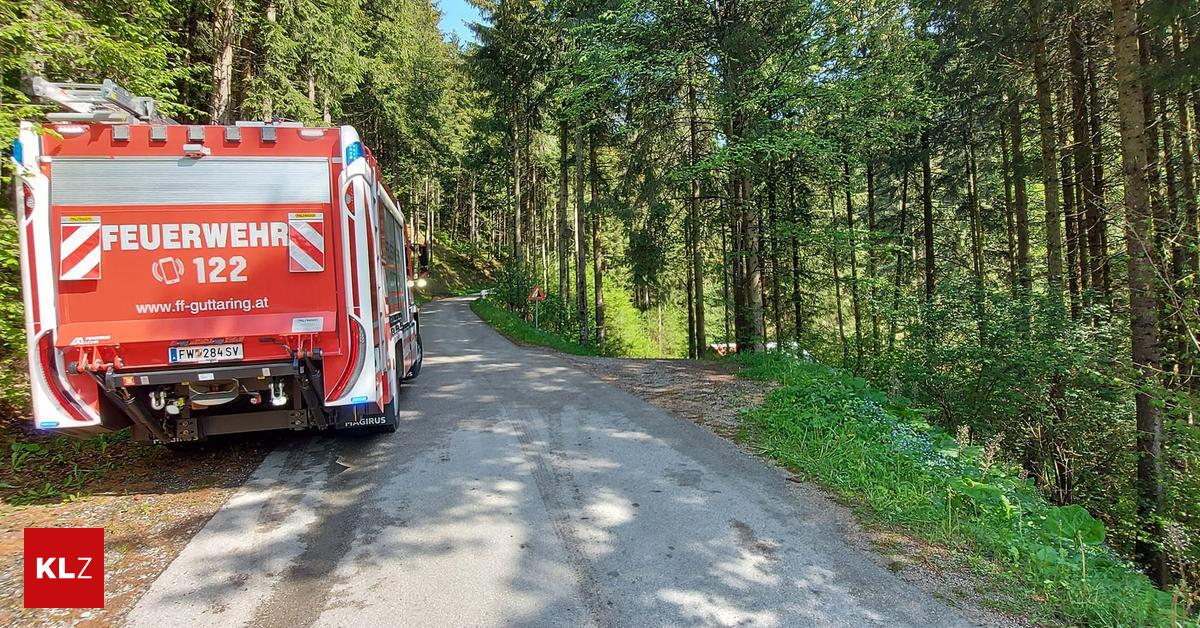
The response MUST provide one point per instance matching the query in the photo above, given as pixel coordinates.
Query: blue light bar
(18, 152)
(48, 424)
(353, 152)
(358, 399)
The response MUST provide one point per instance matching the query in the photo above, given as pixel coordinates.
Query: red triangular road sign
(536, 294)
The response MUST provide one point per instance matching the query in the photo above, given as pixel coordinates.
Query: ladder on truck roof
(91, 102)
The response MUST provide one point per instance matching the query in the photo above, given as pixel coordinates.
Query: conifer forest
(985, 209)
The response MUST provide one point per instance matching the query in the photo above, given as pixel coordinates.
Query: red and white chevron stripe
(79, 248)
(306, 243)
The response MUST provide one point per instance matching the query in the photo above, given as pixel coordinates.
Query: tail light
(354, 363)
(56, 382)
(27, 199)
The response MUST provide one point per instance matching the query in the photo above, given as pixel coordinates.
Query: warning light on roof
(353, 152)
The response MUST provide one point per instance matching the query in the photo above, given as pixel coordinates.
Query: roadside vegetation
(898, 470)
(521, 331)
(629, 332)
(460, 268)
(47, 469)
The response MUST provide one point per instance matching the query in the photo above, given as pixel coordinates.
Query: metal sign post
(537, 296)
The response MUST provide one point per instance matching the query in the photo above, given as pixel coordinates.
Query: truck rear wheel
(416, 367)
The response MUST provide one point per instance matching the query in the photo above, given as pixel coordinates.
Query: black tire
(416, 367)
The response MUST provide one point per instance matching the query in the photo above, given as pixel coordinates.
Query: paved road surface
(519, 491)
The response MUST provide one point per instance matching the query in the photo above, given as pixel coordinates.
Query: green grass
(900, 472)
(460, 268)
(53, 469)
(520, 331)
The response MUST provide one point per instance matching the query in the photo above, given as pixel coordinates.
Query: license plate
(205, 353)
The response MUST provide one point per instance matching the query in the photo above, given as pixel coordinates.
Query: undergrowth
(901, 471)
(57, 468)
(520, 331)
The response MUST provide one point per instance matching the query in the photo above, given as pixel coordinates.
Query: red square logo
(64, 567)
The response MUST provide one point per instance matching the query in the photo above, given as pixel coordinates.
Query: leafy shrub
(836, 429)
(14, 390)
(1043, 384)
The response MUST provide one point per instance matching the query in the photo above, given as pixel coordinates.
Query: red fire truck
(200, 280)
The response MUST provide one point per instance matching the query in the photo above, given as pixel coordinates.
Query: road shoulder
(711, 395)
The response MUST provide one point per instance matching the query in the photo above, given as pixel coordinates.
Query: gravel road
(522, 491)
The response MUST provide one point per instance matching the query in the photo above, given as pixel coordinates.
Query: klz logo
(64, 568)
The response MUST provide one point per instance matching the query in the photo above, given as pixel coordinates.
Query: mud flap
(352, 418)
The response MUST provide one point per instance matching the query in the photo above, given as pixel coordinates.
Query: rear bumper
(200, 373)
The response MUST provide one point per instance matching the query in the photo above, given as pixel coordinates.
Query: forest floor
(150, 500)
(710, 393)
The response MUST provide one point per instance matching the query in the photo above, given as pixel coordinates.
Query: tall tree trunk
(854, 302)
(794, 215)
(871, 262)
(1049, 153)
(763, 258)
(927, 206)
(737, 244)
(581, 242)
(1168, 242)
(1143, 314)
(1075, 279)
(517, 245)
(597, 250)
(1020, 196)
(1191, 262)
(1170, 227)
(474, 212)
(1097, 224)
(530, 191)
(1089, 206)
(975, 211)
(1186, 166)
(773, 240)
(976, 238)
(753, 278)
(1160, 249)
(1009, 222)
(694, 209)
(219, 104)
(726, 269)
(693, 350)
(837, 284)
(564, 229)
(903, 237)
(748, 283)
